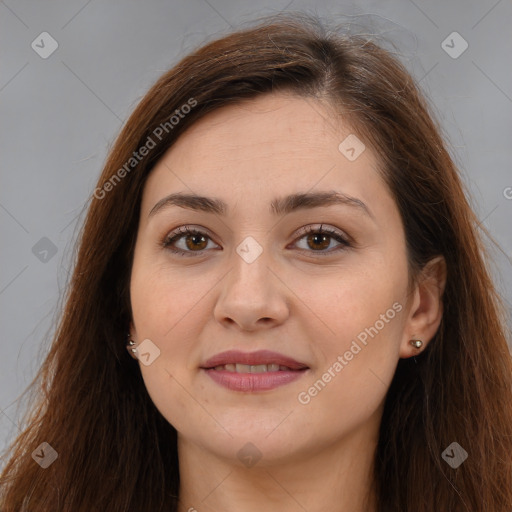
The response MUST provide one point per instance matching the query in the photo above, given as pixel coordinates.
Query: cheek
(163, 301)
(353, 300)
(358, 362)
(167, 393)
(163, 311)
(361, 321)
(346, 402)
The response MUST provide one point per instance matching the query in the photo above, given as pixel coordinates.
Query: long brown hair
(116, 451)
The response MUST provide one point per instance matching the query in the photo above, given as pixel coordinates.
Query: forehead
(267, 146)
(265, 126)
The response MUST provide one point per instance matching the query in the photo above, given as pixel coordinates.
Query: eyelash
(187, 230)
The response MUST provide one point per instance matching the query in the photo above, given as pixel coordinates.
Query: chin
(268, 440)
(255, 450)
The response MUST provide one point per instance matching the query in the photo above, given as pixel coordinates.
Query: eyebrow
(279, 206)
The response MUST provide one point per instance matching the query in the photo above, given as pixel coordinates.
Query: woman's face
(254, 279)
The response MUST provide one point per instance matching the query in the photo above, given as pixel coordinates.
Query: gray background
(60, 114)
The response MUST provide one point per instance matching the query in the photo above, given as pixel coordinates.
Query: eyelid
(322, 228)
(181, 232)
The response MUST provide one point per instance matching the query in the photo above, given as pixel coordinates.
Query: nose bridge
(251, 291)
(250, 279)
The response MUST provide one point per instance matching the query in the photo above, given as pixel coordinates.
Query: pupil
(322, 238)
(195, 240)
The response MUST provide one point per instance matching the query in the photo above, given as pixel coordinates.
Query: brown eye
(195, 241)
(319, 239)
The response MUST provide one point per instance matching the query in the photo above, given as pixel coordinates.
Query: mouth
(255, 371)
(255, 368)
(252, 362)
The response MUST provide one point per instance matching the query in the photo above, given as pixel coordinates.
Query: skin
(316, 456)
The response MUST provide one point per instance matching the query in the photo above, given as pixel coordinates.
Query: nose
(252, 296)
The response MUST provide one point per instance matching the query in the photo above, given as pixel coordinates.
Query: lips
(252, 362)
(253, 372)
(255, 368)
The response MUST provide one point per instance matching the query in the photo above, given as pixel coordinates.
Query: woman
(282, 244)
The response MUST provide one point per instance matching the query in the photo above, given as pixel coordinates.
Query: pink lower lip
(253, 381)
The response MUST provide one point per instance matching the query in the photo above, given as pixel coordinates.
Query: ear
(426, 311)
